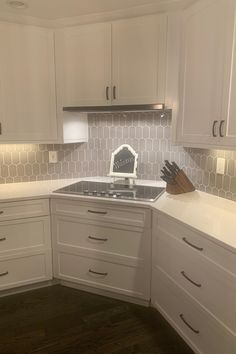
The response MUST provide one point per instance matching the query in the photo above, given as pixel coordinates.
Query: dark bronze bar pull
(221, 128)
(190, 280)
(107, 93)
(213, 128)
(0, 128)
(2, 239)
(1, 212)
(98, 273)
(3, 274)
(98, 239)
(191, 245)
(114, 92)
(97, 212)
(188, 325)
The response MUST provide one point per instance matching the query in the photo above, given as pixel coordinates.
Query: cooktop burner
(113, 191)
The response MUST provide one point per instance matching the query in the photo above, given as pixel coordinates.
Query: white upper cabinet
(207, 38)
(228, 119)
(83, 60)
(139, 60)
(27, 84)
(119, 63)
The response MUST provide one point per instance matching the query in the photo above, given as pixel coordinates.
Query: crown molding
(161, 7)
(25, 20)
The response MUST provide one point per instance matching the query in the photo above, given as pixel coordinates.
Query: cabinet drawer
(25, 270)
(182, 312)
(73, 232)
(24, 209)
(117, 278)
(213, 287)
(102, 212)
(24, 235)
(197, 242)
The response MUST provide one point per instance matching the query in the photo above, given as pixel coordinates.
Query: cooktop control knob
(103, 192)
(94, 192)
(86, 191)
(118, 195)
(110, 194)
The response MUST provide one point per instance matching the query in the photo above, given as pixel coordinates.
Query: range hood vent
(120, 108)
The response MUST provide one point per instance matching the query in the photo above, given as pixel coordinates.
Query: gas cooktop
(113, 191)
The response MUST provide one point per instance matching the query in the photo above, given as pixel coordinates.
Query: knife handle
(176, 166)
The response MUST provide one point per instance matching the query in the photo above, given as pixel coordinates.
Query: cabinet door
(228, 121)
(83, 60)
(27, 84)
(207, 29)
(139, 60)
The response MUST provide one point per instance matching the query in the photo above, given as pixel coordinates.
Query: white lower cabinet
(192, 321)
(101, 251)
(192, 287)
(25, 243)
(24, 234)
(25, 269)
(120, 278)
(107, 246)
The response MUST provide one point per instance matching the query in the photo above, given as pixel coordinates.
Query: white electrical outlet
(53, 158)
(220, 166)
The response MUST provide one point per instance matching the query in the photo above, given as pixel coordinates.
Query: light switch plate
(53, 157)
(220, 166)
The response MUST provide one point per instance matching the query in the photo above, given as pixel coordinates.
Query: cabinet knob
(188, 325)
(221, 128)
(190, 280)
(192, 245)
(96, 239)
(2, 239)
(107, 93)
(213, 128)
(98, 273)
(114, 92)
(97, 212)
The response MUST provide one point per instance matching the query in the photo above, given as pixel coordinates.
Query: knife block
(182, 184)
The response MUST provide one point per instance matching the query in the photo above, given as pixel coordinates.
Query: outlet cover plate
(220, 166)
(53, 157)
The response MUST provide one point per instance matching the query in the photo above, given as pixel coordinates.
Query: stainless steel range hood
(119, 108)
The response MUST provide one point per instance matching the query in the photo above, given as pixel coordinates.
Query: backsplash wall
(147, 133)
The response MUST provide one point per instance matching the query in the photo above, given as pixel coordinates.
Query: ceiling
(61, 9)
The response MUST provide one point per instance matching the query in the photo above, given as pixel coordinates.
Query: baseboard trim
(105, 293)
(30, 287)
(88, 289)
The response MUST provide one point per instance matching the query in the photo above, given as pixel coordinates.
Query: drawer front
(193, 323)
(24, 209)
(102, 212)
(197, 242)
(25, 270)
(72, 232)
(113, 277)
(209, 284)
(25, 235)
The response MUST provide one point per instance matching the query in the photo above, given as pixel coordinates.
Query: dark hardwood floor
(63, 320)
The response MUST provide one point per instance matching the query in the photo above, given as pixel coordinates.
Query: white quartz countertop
(211, 215)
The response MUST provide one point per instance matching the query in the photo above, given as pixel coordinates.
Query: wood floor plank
(60, 320)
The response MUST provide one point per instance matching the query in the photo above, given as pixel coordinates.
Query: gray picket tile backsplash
(147, 133)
